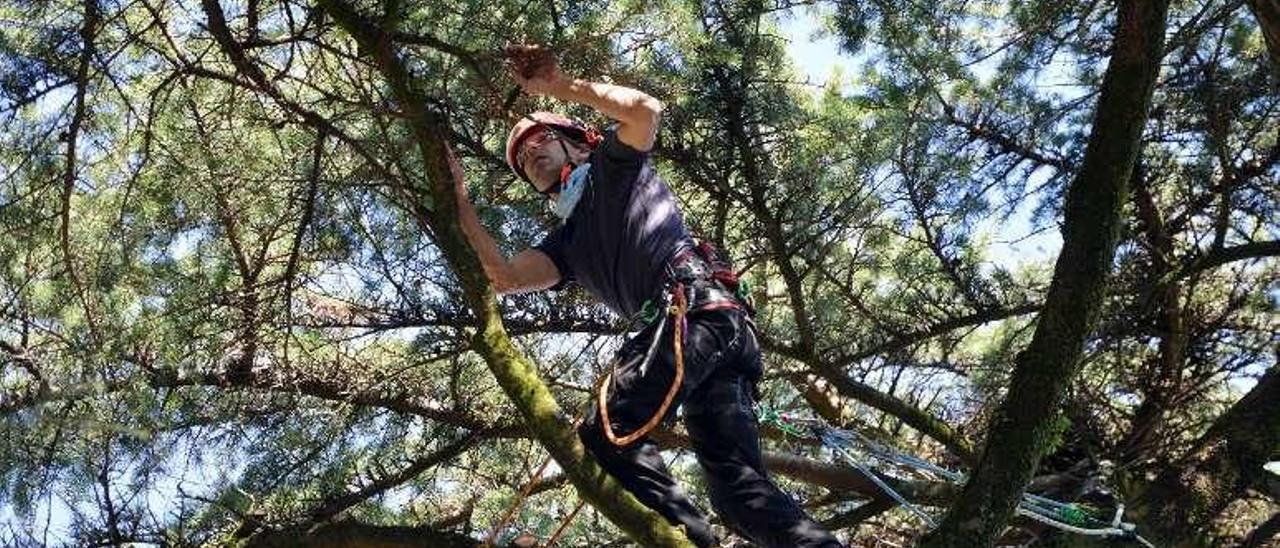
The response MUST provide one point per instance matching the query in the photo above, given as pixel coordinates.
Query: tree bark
(1025, 426)
(1268, 14)
(1225, 462)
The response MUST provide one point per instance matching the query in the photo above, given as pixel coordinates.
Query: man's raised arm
(638, 114)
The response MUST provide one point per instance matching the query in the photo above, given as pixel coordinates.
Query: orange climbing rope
(677, 311)
(564, 524)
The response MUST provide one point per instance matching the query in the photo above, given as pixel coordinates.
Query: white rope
(885, 487)
(1126, 532)
(1037, 508)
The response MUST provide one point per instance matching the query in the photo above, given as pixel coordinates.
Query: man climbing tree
(623, 239)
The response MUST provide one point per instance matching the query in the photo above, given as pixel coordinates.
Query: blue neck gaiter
(571, 191)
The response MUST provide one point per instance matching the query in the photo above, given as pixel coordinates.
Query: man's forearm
(621, 103)
(638, 114)
(491, 258)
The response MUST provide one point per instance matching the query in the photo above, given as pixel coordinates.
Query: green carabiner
(649, 311)
(743, 293)
(1074, 515)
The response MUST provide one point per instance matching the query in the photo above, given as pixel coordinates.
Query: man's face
(541, 158)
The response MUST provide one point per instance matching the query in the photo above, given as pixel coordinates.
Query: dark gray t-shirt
(622, 232)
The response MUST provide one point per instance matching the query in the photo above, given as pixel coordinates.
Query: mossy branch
(515, 373)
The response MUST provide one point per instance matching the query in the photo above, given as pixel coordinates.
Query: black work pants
(722, 364)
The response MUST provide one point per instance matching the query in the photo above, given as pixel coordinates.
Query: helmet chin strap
(565, 170)
(593, 139)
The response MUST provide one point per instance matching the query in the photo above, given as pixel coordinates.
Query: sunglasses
(532, 142)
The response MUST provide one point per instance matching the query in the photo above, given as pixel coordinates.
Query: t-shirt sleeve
(553, 246)
(616, 166)
(618, 152)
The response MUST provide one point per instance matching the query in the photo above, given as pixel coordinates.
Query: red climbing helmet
(563, 125)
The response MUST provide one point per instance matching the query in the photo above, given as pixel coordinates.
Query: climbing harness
(710, 281)
(676, 303)
(1067, 517)
(698, 279)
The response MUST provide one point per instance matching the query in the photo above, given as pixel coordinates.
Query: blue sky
(817, 57)
(814, 50)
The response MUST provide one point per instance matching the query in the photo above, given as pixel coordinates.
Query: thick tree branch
(1226, 461)
(1268, 14)
(907, 413)
(904, 340)
(88, 34)
(863, 512)
(1002, 142)
(1224, 255)
(338, 389)
(848, 387)
(834, 476)
(349, 534)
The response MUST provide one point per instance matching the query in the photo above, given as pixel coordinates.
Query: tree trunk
(1162, 375)
(1268, 14)
(1225, 461)
(1025, 426)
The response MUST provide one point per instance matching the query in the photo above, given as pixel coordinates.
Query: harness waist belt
(705, 286)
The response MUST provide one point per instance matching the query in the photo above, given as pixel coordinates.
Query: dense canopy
(1033, 241)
